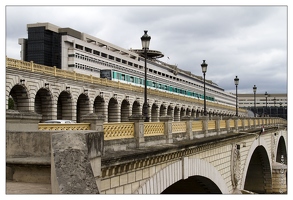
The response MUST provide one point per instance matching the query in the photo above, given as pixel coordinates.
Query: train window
(123, 77)
(131, 79)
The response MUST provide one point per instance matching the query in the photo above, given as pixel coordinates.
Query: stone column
(228, 125)
(96, 121)
(236, 119)
(218, 125)
(204, 124)
(168, 128)
(76, 162)
(138, 129)
(189, 133)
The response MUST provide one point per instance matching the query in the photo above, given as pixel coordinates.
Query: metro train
(126, 78)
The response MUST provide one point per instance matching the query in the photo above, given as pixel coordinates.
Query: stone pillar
(168, 128)
(236, 119)
(279, 178)
(228, 125)
(204, 124)
(189, 133)
(22, 120)
(218, 125)
(76, 162)
(138, 129)
(96, 121)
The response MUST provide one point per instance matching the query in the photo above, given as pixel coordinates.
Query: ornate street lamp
(254, 91)
(266, 95)
(204, 67)
(145, 41)
(236, 81)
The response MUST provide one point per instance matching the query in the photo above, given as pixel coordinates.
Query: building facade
(274, 105)
(72, 50)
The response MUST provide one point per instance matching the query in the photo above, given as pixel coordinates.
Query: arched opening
(64, 105)
(82, 107)
(43, 104)
(154, 113)
(176, 114)
(113, 111)
(258, 178)
(18, 98)
(136, 108)
(193, 185)
(99, 104)
(163, 110)
(281, 151)
(125, 111)
(182, 112)
(170, 112)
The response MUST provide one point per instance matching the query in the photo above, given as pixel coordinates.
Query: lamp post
(236, 81)
(266, 95)
(254, 91)
(204, 67)
(145, 41)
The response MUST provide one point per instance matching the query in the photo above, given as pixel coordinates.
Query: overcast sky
(245, 41)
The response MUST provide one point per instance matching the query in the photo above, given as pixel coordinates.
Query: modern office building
(69, 49)
(274, 105)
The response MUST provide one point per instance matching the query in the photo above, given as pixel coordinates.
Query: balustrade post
(243, 123)
(189, 132)
(205, 126)
(236, 119)
(96, 121)
(138, 129)
(228, 124)
(32, 66)
(218, 124)
(167, 128)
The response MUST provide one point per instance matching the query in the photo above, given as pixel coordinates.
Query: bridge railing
(167, 130)
(53, 71)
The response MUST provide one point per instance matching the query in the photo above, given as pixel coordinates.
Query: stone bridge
(110, 150)
(245, 158)
(58, 94)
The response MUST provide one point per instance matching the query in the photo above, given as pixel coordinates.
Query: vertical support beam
(96, 121)
(168, 128)
(218, 125)
(189, 134)
(205, 126)
(138, 129)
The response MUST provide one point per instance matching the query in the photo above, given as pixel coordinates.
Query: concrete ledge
(29, 161)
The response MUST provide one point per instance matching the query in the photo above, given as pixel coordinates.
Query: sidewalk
(27, 188)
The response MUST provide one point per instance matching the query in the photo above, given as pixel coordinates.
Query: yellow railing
(178, 127)
(118, 130)
(64, 127)
(211, 124)
(222, 123)
(197, 126)
(232, 124)
(154, 128)
(30, 66)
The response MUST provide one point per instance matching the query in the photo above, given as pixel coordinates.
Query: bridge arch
(113, 110)
(44, 103)
(82, 106)
(257, 167)
(19, 96)
(64, 105)
(197, 170)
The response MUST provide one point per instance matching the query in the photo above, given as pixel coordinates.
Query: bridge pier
(279, 178)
